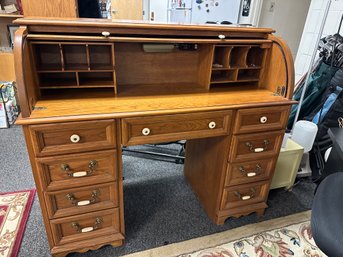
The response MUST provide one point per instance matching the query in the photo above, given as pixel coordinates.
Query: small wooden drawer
(255, 146)
(85, 226)
(175, 127)
(75, 170)
(248, 172)
(244, 195)
(81, 200)
(261, 119)
(73, 137)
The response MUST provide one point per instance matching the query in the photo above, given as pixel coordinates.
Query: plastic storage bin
(287, 165)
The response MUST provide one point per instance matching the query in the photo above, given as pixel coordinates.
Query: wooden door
(129, 10)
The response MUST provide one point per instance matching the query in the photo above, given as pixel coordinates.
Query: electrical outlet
(272, 6)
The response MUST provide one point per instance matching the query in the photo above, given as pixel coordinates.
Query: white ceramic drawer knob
(105, 33)
(212, 125)
(83, 203)
(246, 197)
(263, 119)
(80, 174)
(75, 138)
(146, 131)
(221, 36)
(258, 150)
(87, 229)
(251, 174)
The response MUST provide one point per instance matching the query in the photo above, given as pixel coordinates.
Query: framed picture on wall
(11, 33)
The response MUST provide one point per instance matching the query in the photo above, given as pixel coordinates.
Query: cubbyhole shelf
(96, 79)
(237, 64)
(238, 56)
(48, 57)
(223, 76)
(85, 65)
(57, 80)
(221, 58)
(248, 75)
(75, 57)
(62, 65)
(255, 57)
(101, 57)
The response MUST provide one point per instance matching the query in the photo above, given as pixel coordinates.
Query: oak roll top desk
(88, 87)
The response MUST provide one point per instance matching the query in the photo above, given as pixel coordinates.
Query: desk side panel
(278, 73)
(26, 82)
(205, 166)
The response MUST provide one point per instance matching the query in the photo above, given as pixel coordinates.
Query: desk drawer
(75, 170)
(261, 119)
(255, 146)
(73, 137)
(244, 195)
(175, 127)
(248, 172)
(85, 226)
(81, 200)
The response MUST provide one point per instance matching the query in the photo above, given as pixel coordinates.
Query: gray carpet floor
(160, 207)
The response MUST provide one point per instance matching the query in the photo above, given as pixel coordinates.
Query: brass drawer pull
(246, 197)
(96, 226)
(93, 199)
(253, 173)
(257, 149)
(146, 132)
(92, 165)
(212, 125)
(263, 119)
(75, 138)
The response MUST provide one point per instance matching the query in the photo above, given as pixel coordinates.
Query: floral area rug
(288, 236)
(293, 240)
(14, 212)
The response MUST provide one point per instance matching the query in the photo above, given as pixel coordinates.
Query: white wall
(311, 30)
(288, 19)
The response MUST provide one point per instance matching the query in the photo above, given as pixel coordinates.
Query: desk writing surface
(117, 107)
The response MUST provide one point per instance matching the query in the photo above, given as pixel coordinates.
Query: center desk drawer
(73, 137)
(175, 127)
(81, 200)
(255, 146)
(86, 226)
(75, 170)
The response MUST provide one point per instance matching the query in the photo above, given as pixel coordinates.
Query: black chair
(327, 215)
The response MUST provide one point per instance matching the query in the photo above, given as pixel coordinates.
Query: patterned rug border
(243, 237)
(192, 245)
(24, 219)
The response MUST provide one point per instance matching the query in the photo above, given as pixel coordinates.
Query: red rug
(14, 212)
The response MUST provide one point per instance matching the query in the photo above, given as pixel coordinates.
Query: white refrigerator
(194, 11)
(202, 11)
